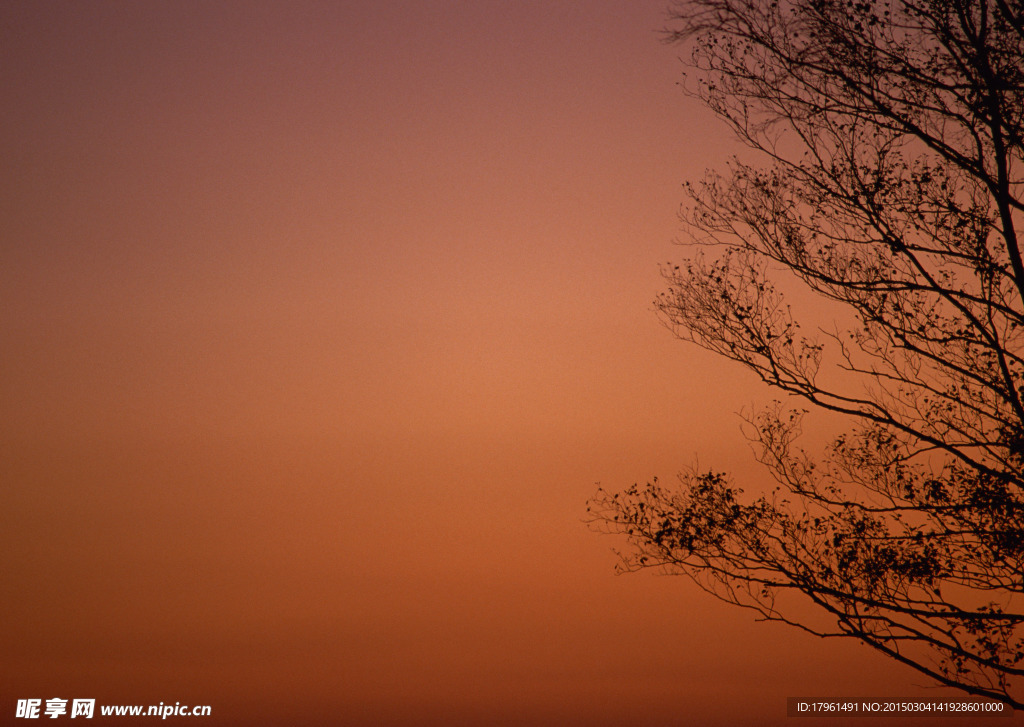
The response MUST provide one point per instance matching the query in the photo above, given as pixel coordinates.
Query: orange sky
(320, 321)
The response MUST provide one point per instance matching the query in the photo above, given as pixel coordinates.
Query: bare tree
(891, 183)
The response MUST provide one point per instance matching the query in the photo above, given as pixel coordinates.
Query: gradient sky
(320, 321)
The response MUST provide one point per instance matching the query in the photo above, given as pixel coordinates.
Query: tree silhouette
(890, 138)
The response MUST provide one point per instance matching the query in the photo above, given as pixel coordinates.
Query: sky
(321, 322)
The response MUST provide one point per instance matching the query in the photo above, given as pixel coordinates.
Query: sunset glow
(321, 322)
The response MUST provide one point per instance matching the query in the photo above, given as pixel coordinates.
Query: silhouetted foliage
(892, 136)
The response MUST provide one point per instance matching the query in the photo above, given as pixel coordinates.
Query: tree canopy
(888, 179)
